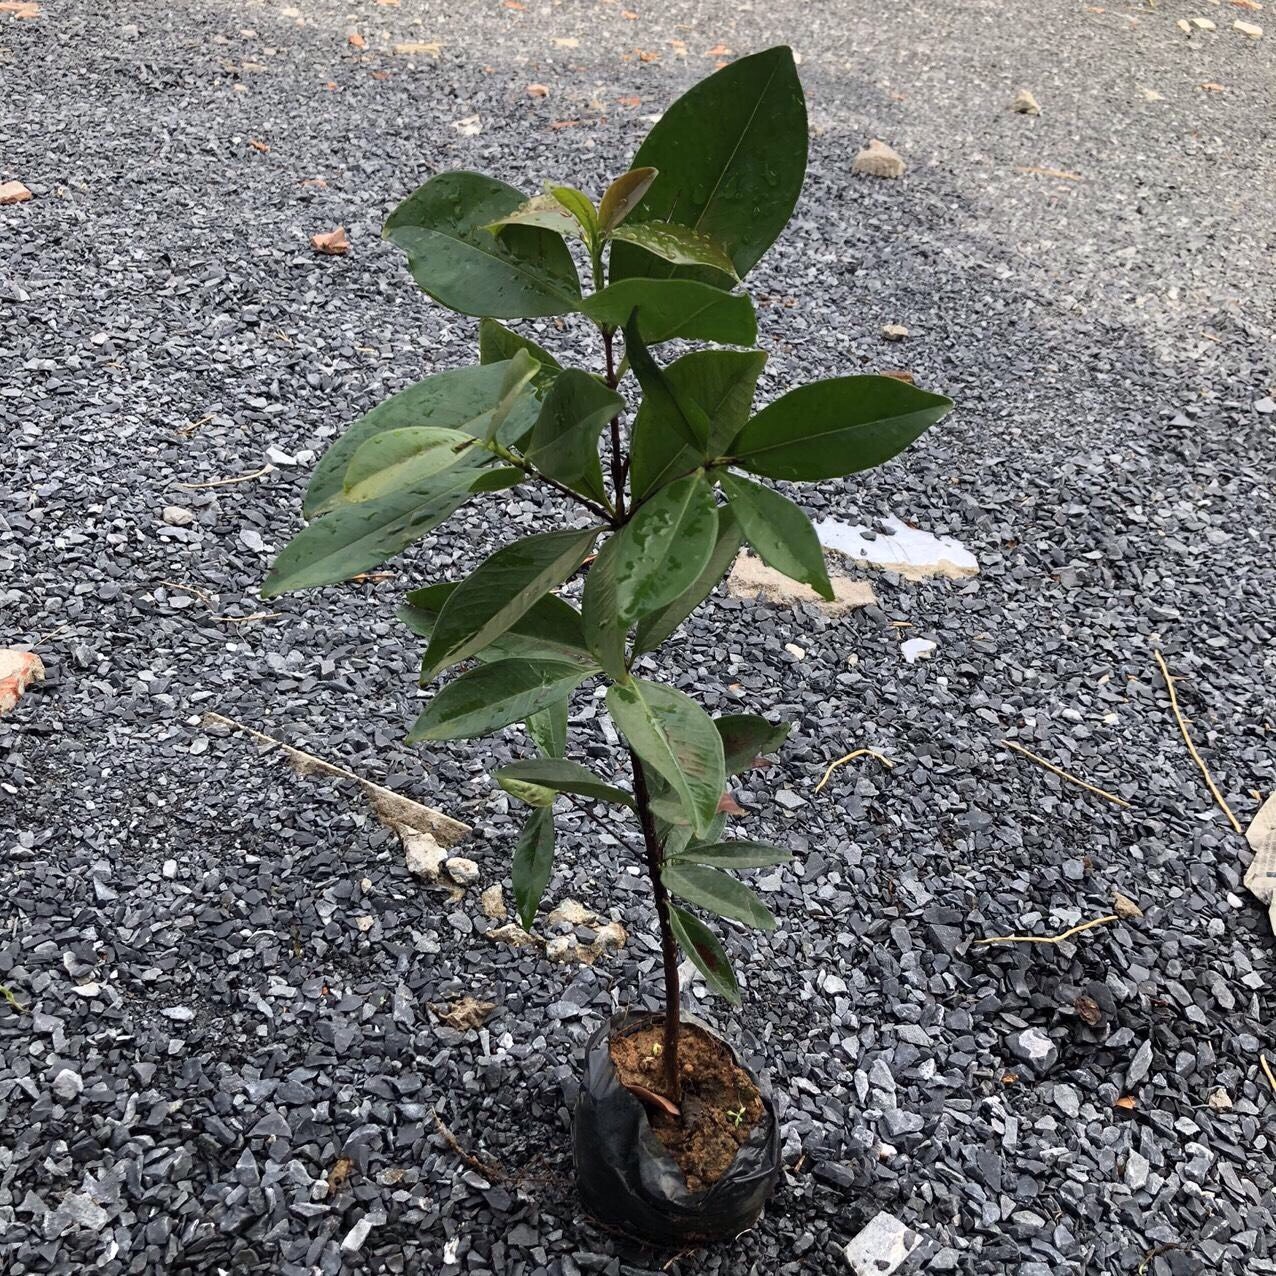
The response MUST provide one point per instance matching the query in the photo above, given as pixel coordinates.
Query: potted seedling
(675, 1138)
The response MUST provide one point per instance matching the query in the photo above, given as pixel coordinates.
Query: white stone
(894, 331)
(68, 1085)
(912, 553)
(1248, 28)
(169, 869)
(916, 649)
(798, 653)
(562, 948)
(492, 902)
(1136, 1170)
(882, 1247)
(1203, 24)
(462, 871)
(424, 856)
(178, 516)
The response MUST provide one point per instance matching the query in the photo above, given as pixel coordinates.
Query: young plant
(661, 509)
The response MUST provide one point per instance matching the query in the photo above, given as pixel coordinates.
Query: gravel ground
(224, 1057)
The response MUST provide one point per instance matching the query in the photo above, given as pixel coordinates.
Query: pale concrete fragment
(1025, 104)
(1260, 880)
(492, 902)
(878, 160)
(18, 670)
(752, 578)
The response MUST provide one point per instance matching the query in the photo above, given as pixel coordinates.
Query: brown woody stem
(668, 946)
(618, 462)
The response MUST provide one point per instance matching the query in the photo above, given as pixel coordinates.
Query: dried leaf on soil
(333, 243)
(464, 1014)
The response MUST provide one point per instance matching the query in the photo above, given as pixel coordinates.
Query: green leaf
(745, 736)
(544, 211)
(533, 865)
(664, 547)
(498, 343)
(523, 271)
(500, 590)
(678, 244)
(600, 613)
(548, 729)
(720, 383)
(398, 459)
(564, 443)
(718, 892)
(731, 154)
(654, 628)
(703, 947)
(677, 739)
(581, 208)
(497, 480)
(519, 373)
(731, 855)
(669, 308)
(356, 538)
(829, 429)
(682, 414)
(556, 775)
(780, 532)
(462, 400)
(622, 197)
(550, 629)
(489, 697)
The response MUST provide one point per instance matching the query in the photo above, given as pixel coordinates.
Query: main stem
(668, 946)
(617, 461)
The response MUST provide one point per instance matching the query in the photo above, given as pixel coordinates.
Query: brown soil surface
(719, 1103)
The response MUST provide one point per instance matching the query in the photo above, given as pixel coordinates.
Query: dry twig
(1191, 748)
(850, 757)
(1050, 939)
(489, 1169)
(1267, 1069)
(226, 482)
(1067, 775)
(223, 617)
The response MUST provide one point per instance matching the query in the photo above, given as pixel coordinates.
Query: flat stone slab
(883, 1247)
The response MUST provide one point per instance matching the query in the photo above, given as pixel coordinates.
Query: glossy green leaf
(706, 951)
(356, 538)
(655, 627)
(462, 400)
(498, 479)
(745, 737)
(492, 696)
(515, 390)
(564, 443)
(622, 197)
(398, 459)
(605, 632)
(500, 590)
(780, 532)
(669, 308)
(533, 865)
(676, 738)
(548, 729)
(557, 775)
(678, 244)
(580, 207)
(735, 855)
(523, 271)
(542, 210)
(549, 629)
(829, 429)
(674, 410)
(731, 154)
(498, 343)
(720, 893)
(665, 546)
(720, 383)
